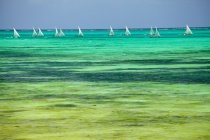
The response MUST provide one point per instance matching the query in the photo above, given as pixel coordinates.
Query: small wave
(163, 29)
(200, 28)
(179, 28)
(176, 28)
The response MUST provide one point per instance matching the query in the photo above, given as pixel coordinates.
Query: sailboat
(127, 32)
(16, 35)
(61, 34)
(188, 31)
(56, 32)
(111, 31)
(34, 33)
(157, 34)
(151, 31)
(80, 32)
(40, 33)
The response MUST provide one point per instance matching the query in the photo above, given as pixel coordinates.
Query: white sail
(188, 31)
(61, 34)
(40, 33)
(80, 32)
(56, 32)
(151, 31)
(16, 35)
(127, 32)
(111, 31)
(157, 34)
(34, 33)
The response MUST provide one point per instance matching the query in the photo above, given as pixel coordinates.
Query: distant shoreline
(73, 29)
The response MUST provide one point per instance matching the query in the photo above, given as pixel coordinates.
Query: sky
(100, 14)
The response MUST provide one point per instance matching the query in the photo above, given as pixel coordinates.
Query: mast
(111, 31)
(61, 33)
(16, 35)
(80, 32)
(127, 32)
(188, 31)
(40, 33)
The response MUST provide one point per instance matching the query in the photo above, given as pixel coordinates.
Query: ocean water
(105, 87)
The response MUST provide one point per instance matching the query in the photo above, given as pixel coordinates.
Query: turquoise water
(108, 87)
(178, 58)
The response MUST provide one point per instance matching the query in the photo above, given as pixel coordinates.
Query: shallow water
(102, 87)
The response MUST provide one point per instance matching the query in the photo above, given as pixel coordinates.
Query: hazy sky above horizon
(98, 14)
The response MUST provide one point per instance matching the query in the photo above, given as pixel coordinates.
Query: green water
(102, 87)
